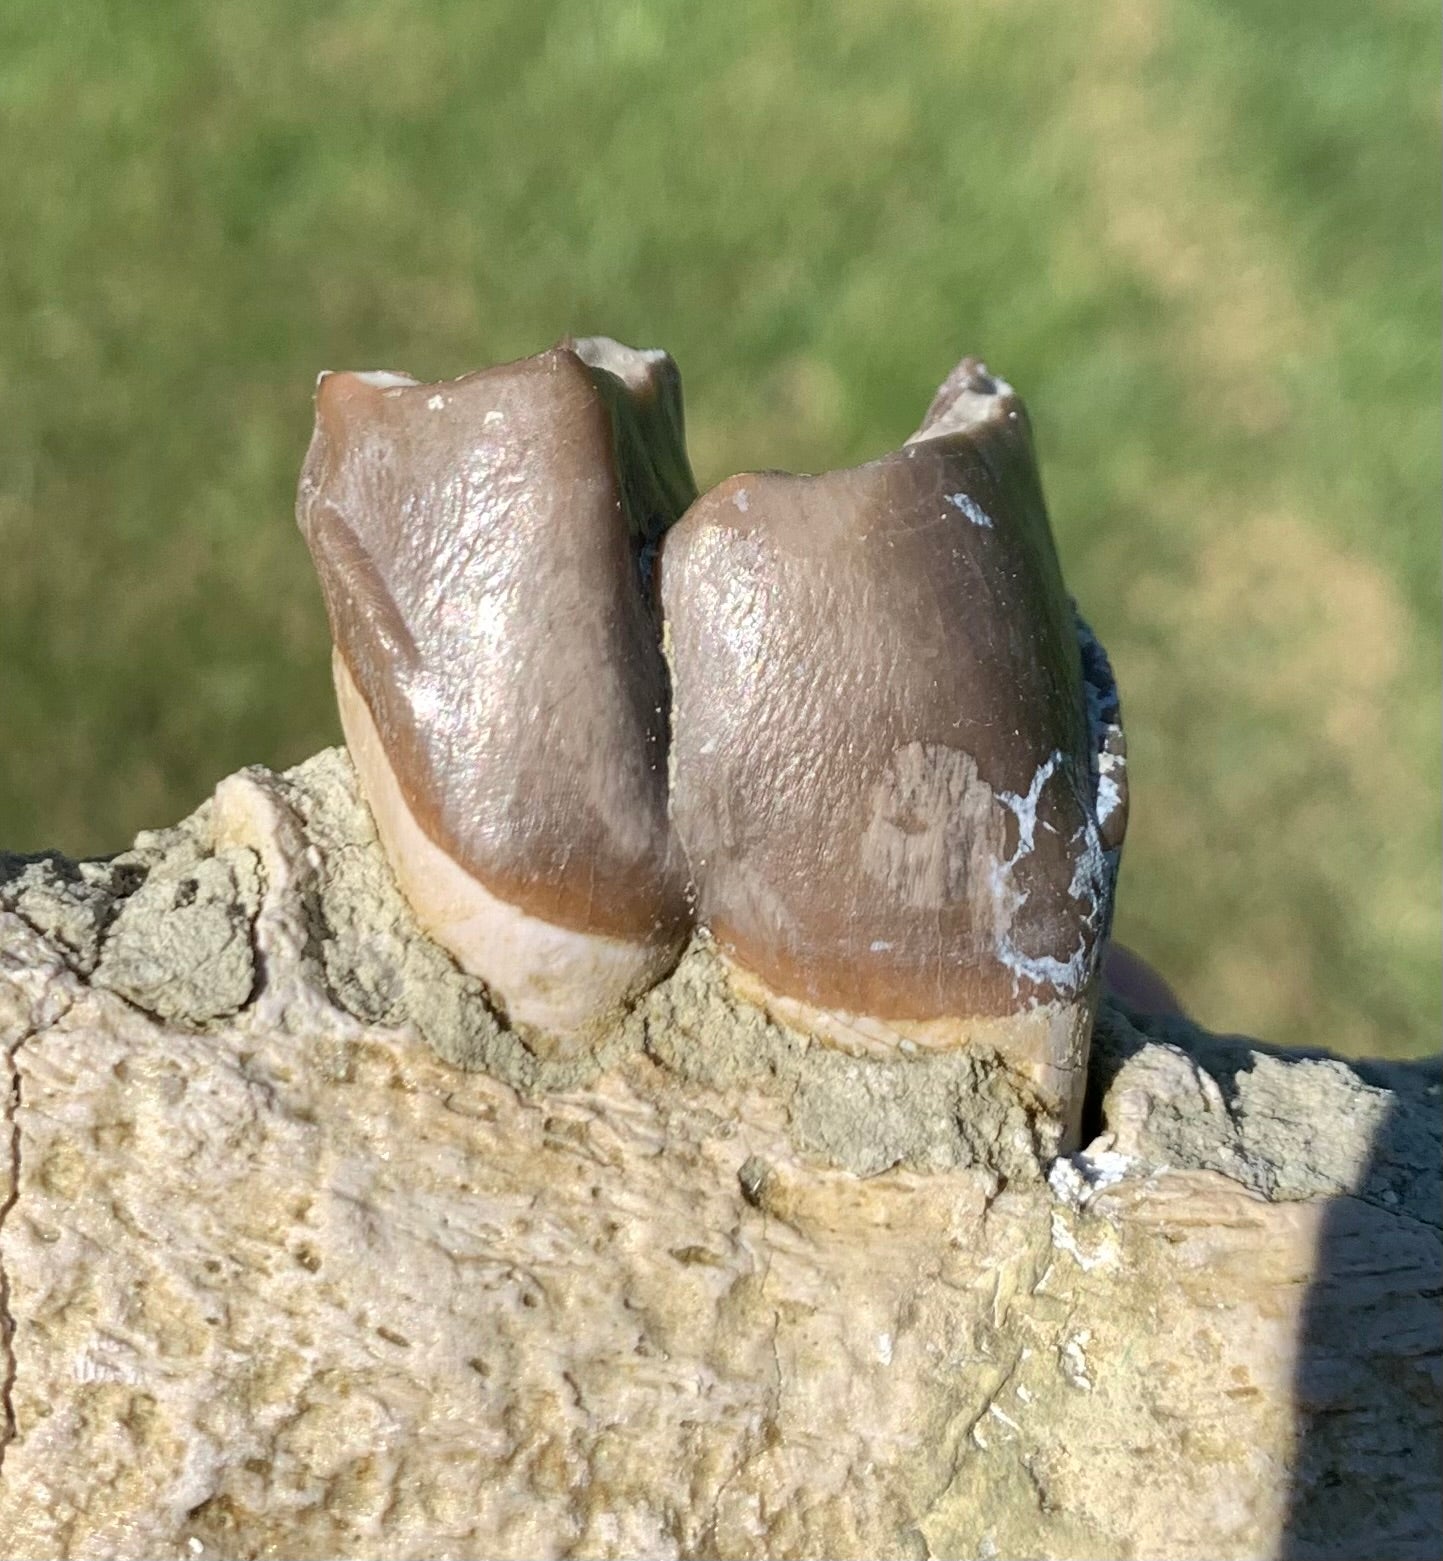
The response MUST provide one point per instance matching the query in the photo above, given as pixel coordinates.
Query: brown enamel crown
(480, 546)
(883, 768)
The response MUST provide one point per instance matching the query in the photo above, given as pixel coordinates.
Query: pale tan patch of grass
(1275, 778)
(1165, 208)
(1269, 665)
(1272, 980)
(1326, 636)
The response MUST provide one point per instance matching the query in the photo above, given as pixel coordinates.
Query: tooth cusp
(497, 662)
(897, 767)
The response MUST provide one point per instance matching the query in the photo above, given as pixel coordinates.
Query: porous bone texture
(279, 1281)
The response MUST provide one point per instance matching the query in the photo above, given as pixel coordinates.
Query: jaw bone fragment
(897, 766)
(484, 547)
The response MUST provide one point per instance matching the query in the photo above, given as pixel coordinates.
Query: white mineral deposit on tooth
(904, 819)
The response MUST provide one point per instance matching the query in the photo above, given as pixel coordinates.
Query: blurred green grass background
(1200, 236)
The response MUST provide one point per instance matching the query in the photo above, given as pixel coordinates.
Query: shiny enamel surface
(481, 544)
(884, 767)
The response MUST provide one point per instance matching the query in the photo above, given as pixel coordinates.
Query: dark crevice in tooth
(1103, 703)
(642, 389)
(1107, 749)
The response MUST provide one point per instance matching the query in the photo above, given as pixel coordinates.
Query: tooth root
(480, 546)
(884, 773)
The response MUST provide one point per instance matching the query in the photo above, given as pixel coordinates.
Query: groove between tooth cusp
(849, 725)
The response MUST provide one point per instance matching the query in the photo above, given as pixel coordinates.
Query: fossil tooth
(484, 549)
(897, 764)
